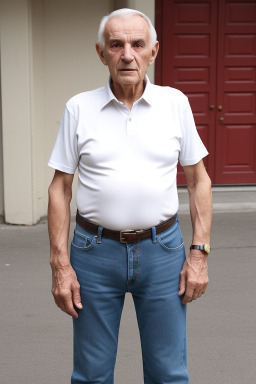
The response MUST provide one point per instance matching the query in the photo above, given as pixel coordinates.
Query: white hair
(124, 12)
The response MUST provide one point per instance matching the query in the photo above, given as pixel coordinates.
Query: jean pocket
(171, 239)
(82, 241)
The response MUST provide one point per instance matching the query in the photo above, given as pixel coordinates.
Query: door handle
(220, 108)
(211, 107)
(221, 119)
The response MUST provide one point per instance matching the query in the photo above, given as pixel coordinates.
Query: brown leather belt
(126, 236)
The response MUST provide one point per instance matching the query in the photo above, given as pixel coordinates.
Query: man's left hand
(194, 276)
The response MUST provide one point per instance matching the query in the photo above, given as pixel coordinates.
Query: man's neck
(128, 94)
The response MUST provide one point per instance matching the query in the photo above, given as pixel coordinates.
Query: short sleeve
(64, 156)
(192, 148)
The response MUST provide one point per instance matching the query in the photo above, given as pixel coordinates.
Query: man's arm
(194, 274)
(65, 287)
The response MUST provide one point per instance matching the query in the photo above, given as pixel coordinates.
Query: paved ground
(36, 338)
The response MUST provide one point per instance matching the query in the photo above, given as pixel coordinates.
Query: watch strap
(200, 247)
(204, 247)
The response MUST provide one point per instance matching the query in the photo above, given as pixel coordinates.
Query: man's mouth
(127, 70)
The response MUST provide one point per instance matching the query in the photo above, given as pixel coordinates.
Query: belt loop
(99, 235)
(154, 240)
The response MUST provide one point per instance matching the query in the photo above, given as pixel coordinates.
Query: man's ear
(100, 52)
(154, 53)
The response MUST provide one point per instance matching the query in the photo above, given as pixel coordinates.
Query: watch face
(207, 248)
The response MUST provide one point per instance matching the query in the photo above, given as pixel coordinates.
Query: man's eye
(116, 45)
(138, 45)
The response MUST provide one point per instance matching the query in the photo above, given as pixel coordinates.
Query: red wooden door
(207, 50)
(236, 91)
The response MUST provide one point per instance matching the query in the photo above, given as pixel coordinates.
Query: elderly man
(126, 139)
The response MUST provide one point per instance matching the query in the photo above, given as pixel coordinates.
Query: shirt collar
(148, 92)
(108, 95)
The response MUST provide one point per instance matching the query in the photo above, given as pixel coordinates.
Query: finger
(188, 295)
(186, 300)
(64, 301)
(58, 300)
(77, 297)
(182, 285)
(69, 308)
(59, 304)
(204, 290)
(197, 293)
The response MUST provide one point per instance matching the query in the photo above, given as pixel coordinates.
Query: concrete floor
(36, 337)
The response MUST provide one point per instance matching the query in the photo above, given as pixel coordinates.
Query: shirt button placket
(130, 128)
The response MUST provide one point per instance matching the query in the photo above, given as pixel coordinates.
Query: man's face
(128, 50)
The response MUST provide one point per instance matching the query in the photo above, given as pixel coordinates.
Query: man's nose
(127, 55)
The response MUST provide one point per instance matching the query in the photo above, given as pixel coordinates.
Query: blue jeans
(149, 270)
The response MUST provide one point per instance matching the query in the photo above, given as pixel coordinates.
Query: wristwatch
(204, 247)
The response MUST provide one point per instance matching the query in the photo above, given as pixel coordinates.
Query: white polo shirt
(127, 159)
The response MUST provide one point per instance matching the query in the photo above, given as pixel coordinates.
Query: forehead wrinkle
(129, 38)
(126, 37)
(136, 32)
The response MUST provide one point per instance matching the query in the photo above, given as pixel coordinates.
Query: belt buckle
(122, 233)
(136, 232)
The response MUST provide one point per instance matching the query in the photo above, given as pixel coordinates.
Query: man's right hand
(66, 289)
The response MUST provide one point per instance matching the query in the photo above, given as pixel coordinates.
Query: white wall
(47, 55)
(16, 111)
(1, 162)
(71, 61)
